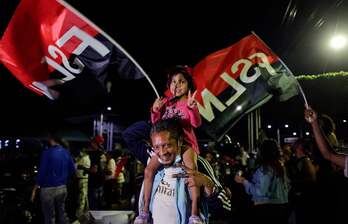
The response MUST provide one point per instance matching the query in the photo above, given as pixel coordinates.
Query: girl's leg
(190, 161)
(149, 174)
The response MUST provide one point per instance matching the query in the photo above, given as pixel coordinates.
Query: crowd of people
(73, 181)
(279, 183)
(301, 182)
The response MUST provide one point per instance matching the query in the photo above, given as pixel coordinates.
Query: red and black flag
(236, 80)
(48, 43)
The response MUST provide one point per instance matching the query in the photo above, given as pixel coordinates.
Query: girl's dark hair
(185, 71)
(57, 137)
(270, 157)
(307, 146)
(327, 124)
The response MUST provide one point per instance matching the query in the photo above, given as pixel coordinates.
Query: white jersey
(164, 209)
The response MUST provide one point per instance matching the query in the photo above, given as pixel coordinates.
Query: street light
(338, 42)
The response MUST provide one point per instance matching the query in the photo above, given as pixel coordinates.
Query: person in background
(121, 161)
(110, 180)
(96, 173)
(333, 184)
(323, 143)
(244, 158)
(269, 186)
(56, 167)
(303, 192)
(328, 127)
(231, 166)
(287, 153)
(83, 164)
(210, 157)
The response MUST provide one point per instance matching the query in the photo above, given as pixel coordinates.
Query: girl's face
(179, 85)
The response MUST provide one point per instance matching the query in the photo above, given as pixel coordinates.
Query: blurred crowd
(312, 189)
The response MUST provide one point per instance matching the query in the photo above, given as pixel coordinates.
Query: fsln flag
(238, 79)
(45, 48)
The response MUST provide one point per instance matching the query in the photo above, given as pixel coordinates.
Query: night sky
(162, 34)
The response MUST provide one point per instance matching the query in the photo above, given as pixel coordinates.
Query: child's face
(178, 85)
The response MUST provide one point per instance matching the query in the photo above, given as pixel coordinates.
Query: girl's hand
(310, 115)
(191, 101)
(157, 105)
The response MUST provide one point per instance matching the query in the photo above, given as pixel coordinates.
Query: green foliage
(324, 75)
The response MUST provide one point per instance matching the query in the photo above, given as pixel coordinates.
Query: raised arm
(312, 118)
(157, 109)
(195, 117)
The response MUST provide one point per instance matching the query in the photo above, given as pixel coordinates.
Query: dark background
(162, 34)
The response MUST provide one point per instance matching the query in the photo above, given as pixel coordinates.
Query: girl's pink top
(189, 119)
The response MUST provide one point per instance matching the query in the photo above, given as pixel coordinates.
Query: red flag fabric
(34, 37)
(208, 71)
(237, 79)
(120, 164)
(48, 43)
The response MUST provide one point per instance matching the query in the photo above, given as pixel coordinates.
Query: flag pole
(298, 84)
(101, 124)
(112, 41)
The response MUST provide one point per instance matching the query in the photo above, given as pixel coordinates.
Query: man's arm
(311, 117)
(196, 179)
(221, 197)
(216, 194)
